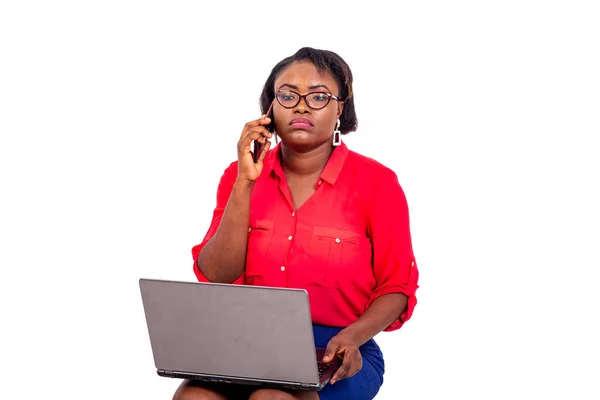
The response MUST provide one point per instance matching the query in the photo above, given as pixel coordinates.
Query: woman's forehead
(303, 75)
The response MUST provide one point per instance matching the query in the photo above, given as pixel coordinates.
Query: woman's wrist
(352, 334)
(243, 185)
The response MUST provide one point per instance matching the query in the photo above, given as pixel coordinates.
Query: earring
(337, 139)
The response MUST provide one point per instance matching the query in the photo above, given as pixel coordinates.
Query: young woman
(312, 214)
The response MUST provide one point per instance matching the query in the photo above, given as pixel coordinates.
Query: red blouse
(348, 244)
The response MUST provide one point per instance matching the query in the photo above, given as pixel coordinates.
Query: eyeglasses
(315, 100)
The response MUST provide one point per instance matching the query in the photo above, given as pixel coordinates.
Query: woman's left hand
(344, 346)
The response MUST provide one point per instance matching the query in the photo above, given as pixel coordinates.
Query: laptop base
(240, 381)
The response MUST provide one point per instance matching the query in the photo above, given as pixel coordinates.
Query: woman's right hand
(248, 170)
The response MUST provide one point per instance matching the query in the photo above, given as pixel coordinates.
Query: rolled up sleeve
(223, 192)
(394, 265)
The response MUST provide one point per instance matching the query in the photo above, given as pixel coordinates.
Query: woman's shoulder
(231, 171)
(370, 167)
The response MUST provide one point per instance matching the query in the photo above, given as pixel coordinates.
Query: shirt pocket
(337, 253)
(259, 239)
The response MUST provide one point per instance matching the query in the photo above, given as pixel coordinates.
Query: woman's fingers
(254, 131)
(261, 122)
(264, 151)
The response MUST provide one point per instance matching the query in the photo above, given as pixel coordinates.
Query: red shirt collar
(330, 173)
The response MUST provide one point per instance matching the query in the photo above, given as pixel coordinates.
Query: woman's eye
(319, 97)
(287, 96)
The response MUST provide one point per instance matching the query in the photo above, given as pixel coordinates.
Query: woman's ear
(340, 108)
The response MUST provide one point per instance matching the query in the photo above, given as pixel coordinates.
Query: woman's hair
(324, 60)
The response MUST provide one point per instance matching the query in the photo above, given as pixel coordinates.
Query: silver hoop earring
(337, 138)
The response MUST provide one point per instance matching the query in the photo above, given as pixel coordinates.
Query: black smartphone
(256, 145)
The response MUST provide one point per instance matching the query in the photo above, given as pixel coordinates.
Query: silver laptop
(234, 334)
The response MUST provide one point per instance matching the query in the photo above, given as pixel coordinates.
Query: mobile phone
(256, 145)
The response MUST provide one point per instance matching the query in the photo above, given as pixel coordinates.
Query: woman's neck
(305, 163)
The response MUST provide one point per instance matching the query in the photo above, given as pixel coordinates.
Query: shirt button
(337, 240)
(320, 183)
(294, 214)
(249, 229)
(282, 268)
(290, 237)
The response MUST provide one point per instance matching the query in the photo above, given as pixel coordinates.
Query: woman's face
(302, 127)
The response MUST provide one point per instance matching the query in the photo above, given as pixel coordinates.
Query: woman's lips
(301, 123)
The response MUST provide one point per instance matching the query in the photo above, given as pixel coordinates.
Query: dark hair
(324, 60)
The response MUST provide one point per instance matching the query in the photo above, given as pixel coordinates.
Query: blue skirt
(362, 386)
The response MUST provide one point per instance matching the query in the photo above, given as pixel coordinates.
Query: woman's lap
(362, 386)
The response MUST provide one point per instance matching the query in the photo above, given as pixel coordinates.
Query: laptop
(235, 334)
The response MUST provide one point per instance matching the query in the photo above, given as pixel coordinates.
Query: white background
(117, 118)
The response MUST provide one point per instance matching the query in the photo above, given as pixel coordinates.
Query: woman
(312, 214)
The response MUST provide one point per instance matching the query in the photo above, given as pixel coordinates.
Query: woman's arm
(394, 270)
(383, 311)
(223, 258)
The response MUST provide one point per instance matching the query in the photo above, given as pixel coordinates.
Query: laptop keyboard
(323, 367)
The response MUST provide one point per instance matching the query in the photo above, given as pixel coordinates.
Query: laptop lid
(235, 331)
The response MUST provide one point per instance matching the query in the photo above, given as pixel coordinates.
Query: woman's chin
(304, 146)
(298, 138)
